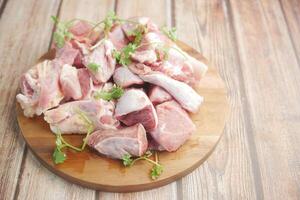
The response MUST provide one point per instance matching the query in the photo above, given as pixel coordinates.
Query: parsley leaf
(62, 32)
(109, 21)
(58, 156)
(115, 93)
(93, 67)
(138, 33)
(127, 160)
(123, 56)
(171, 33)
(156, 171)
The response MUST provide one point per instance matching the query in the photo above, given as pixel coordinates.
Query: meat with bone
(188, 98)
(40, 88)
(157, 95)
(70, 83)
(125, 78)
(70, 117)
(117, 143)
(103, 58)
(135, 107)
(174, 126)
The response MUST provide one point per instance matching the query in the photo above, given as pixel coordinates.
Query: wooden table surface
(254, 44)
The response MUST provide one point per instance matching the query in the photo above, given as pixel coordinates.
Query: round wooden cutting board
(91, 170)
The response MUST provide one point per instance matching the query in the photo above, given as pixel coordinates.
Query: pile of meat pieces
(151, 114)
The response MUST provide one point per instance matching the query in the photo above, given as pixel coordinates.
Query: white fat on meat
(101, 56)
(144, 56)
(117, 143)
(135, 107)
(125, 78)
(158, 95)
(174, 126)
(40, 88)
(68, 117)
(188, 98)
(70, 83)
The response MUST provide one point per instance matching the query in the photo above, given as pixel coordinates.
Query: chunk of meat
(70, 83)
(125, 78)
(153, 145)
(135, 107)
(117, 143)
(158, 95)
(188, 98)
(118, 37)
(85, 81)
(69, 117)
(40, 88)
(144, 56)
(174, 126)
(67, 54)
(101, 56)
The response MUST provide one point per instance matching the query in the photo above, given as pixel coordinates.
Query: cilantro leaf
(62, 32)
(109, 21)
(94, 67)
(125, 54)
(115, 93)
(156, 171)
(58, 156)
(138, 33)
(127, 160)
(171, 33)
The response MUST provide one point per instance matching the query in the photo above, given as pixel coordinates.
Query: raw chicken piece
(86, 82)
(174, 126)
(40, 88)
(117, 143)
(67, 118)
(158, 95)
(125, 78)
(67, 54)
(183, 93)
(70, 83)
(101, 56)
(144, 56)
(118, 37)
(135, 107)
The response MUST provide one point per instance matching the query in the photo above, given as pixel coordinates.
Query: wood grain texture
(34, 174)
(91, 170)
(229, 172)
(20, 30)
(272, 86)
(291, 11)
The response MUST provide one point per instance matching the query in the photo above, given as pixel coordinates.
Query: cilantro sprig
(62, 32)
(170, 33)
(58, 155)
(94, 67)
(115, 93)
(157, 168)
(123, 56)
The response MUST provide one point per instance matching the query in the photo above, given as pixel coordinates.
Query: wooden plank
(157, 11)
(291, 10)
(272, 86)
(36, 181)
(230, 171)
(25, 32)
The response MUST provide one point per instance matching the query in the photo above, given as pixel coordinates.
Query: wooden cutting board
(91, 170)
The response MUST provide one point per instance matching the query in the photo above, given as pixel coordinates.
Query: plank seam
(22, 167)
(289, 32)
(2, 7)
(245, 106)
(57, 14)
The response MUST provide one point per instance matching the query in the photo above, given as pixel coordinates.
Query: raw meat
(70, 83)
(118, 37)
(183, 93)
(174, 126)
(40, 88)
(68, 117)
(144, 56)
(135, 107)
(158, 95)
(125, 78)
(117, 143)
(101, 56)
